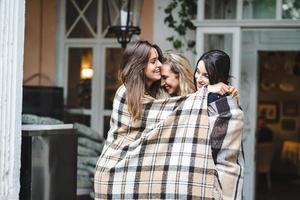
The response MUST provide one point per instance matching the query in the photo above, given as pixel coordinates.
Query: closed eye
(164, 77)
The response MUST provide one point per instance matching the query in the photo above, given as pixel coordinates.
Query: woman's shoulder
(223, 104)
(121, 90)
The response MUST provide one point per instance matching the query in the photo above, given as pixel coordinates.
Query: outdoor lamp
(124, 18)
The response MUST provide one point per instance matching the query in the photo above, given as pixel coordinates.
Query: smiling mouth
(199, 86)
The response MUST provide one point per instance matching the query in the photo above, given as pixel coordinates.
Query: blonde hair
(180, 66)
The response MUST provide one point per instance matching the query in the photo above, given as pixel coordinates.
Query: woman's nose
(199, 79)
(158, 64)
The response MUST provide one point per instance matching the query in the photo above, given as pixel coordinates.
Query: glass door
(110, 82)
(80, 71)
(229, 40)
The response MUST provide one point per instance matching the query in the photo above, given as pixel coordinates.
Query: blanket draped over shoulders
(168, 153)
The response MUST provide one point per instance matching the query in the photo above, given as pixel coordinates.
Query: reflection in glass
(291, 9)
(79, 83)
(220, 9)
(118, 12)
(218, 41)
(113, 60)
(259, 9)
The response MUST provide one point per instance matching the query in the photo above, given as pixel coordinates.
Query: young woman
(178, 80)
(140, 74)
(226, 122)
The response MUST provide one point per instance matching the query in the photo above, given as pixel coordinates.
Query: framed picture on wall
(269, 110)
(290, 108)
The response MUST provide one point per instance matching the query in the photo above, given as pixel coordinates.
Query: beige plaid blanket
(172, 152)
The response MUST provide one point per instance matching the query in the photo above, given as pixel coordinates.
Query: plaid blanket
(172, 152)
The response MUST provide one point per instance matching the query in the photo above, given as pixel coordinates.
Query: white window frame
(99, 43)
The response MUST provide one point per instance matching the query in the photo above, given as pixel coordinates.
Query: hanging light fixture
(124, 18)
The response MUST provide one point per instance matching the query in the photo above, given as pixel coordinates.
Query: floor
(282, 188)
(84, 197)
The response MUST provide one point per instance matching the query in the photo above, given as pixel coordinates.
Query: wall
(146, 22)
(162, 31)
(40, 42)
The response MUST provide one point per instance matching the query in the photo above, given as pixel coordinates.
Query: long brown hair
(135, 58)
(180, 66)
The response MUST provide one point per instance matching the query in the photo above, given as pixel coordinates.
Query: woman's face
(169, 80)
(152, 70)
(201, 75)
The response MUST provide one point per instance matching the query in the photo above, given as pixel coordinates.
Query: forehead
(165, 68)
(201, 66)
(153, 53)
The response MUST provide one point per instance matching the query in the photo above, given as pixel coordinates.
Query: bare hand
(222, 88)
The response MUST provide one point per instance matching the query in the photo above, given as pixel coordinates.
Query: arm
(225, 127)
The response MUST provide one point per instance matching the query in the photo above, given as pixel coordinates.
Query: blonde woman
(178, 80)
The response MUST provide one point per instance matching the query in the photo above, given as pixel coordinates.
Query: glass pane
(220, 9)
(81, 3)
(278, 72)
(91, 15)
(71, 15)
(79, 117)
(80, 73)
(218, 41)
(80, 31)
(105, 23)
(291, 9)
(259, 9)
(112, 62)
(106, 125)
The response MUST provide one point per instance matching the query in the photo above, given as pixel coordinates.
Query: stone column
(12, 21)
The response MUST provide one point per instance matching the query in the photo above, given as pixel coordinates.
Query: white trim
(100, 112)
(80, 111)
(43, 127)
(239, 10)
(278, 9)
(249, 23)
(285, 23)
(61, 7)
(200, 9)
(90, 41)
(107, 112)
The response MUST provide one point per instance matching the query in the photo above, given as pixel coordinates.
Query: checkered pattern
(169, 153)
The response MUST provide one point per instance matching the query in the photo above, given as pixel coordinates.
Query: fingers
(233, 91)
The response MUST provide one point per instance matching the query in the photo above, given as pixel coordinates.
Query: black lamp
(124, 18)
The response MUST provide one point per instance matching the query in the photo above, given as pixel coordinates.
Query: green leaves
(184, 11)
